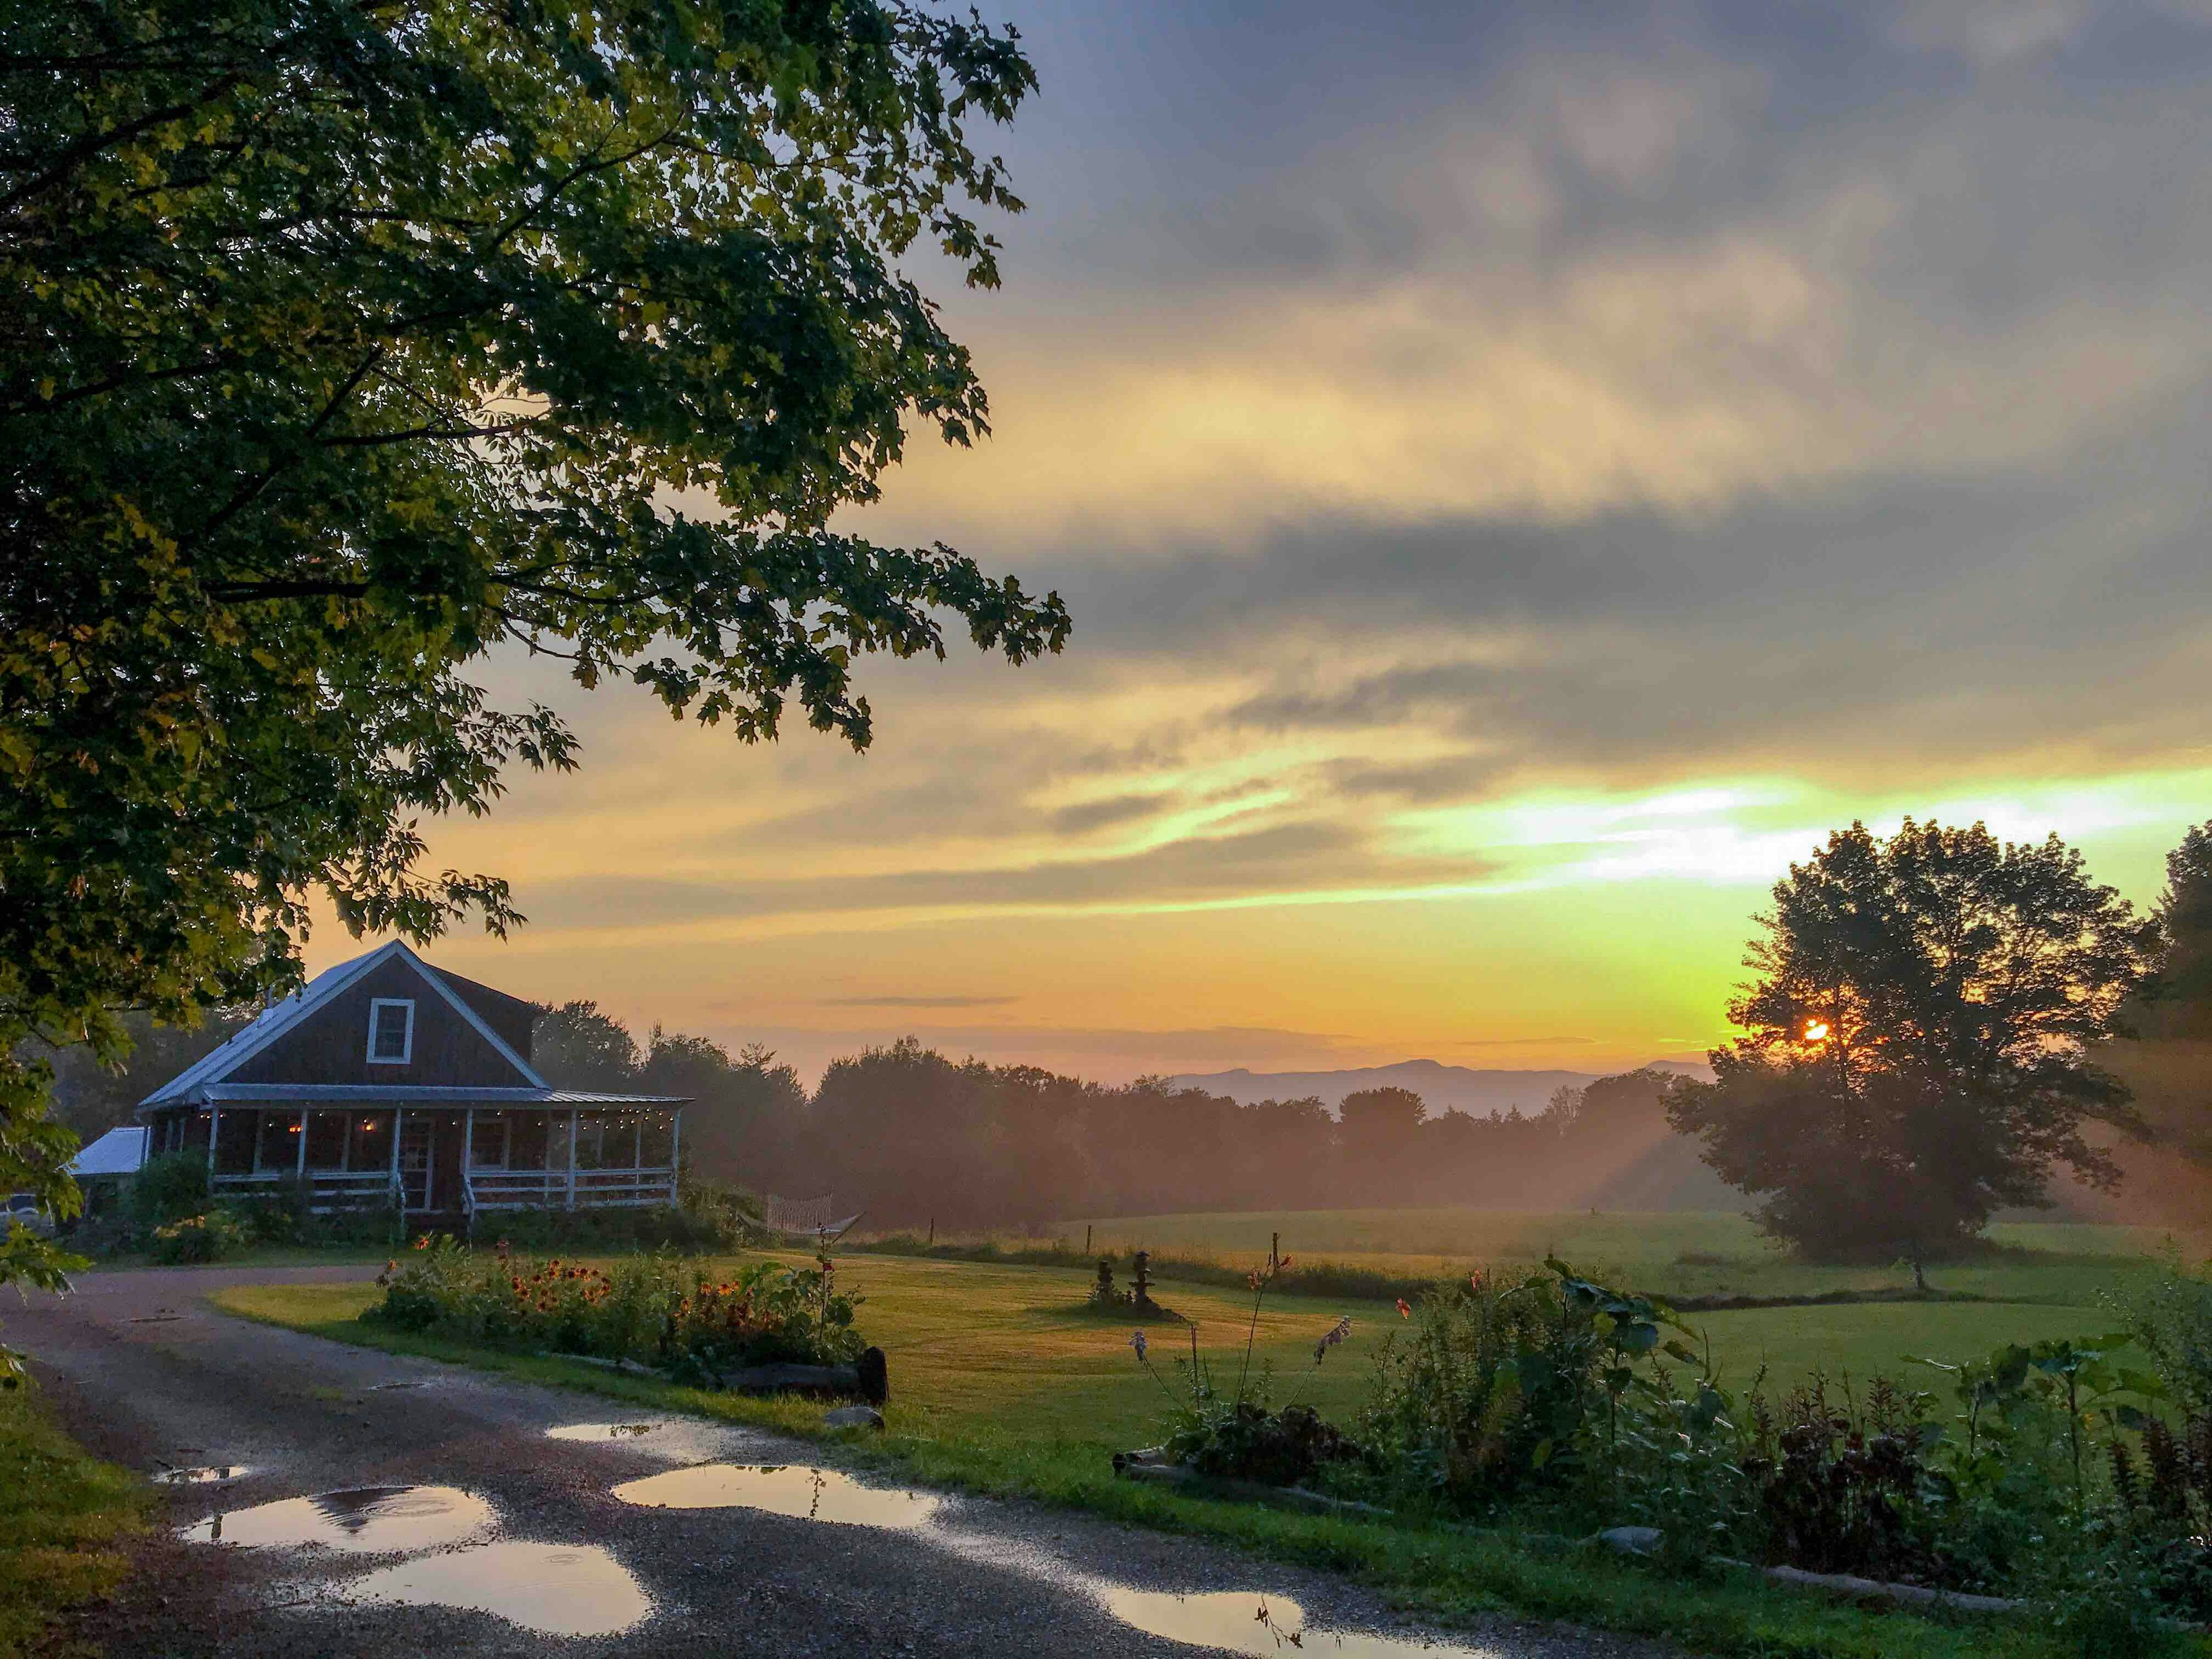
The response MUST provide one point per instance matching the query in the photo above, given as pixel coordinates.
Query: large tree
(2177, 1000)
(1918, 1037)
(343, 343)
(2166, 1056)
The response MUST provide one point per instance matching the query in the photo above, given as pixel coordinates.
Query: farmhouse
(385, 1080)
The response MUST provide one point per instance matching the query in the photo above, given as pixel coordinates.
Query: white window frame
(506, 1142)
(376, 1005)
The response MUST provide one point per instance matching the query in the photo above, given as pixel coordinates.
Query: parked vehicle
(24, 1208)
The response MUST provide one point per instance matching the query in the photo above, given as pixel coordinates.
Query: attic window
(390, 1031)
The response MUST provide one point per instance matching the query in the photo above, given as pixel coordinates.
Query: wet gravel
(149, 1375)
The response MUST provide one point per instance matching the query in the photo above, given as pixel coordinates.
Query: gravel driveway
(441, 1492)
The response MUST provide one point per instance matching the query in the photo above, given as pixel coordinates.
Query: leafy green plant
(2171, 1323)
(1235, 1433)
(201, 1238)
(1677, 1458)
(1497, 1390)
(1844, 1485)
(167, 1188)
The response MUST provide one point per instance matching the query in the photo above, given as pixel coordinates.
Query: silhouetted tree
(2178, 999)
(747, 1119)
(92, 1098)
(1919, 1042)
(1379, 1130)
(2166, 1055)
(344, 345)
(575, 1046)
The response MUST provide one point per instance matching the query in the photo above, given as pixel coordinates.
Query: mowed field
(1009, 1357)
(1674, 1255)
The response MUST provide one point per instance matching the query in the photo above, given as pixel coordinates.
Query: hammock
(815, 1217)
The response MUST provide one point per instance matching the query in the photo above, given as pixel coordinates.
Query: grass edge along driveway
(62, 1513)
(1439, 1572)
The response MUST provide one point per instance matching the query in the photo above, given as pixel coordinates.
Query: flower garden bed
(764, 1327)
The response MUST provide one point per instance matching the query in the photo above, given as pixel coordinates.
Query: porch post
(675, 1153)
(214, 1123)
(468, 1162)
(299, 1172)
(397, 1114)
(575, 1118)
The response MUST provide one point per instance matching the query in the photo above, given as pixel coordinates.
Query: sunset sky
(1519, 480)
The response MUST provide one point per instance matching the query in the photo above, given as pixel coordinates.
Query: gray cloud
(1990, 576)
(1285, 857)
(1113, 810)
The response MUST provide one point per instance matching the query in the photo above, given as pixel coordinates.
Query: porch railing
(562, 1189)
(330, 1190)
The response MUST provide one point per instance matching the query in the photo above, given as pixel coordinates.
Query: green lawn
(61, 1516)
(1001, 1384)
(1674, 1255)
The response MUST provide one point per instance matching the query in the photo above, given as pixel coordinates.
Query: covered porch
(435, 1157)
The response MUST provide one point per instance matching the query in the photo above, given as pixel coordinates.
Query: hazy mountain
(1445, 1088)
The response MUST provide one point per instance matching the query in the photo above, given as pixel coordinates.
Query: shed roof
(120, 1151)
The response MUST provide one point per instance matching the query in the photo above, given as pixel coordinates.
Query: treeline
(913, 1136)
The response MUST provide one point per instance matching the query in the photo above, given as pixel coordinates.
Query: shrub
(704, 1222)
(201, 1238)
(1234, 1434)
(2172, 1323)
(1245, 1441)
(284, 1215)
(1842, 1487)
(167, 1188)
(1497, 1388)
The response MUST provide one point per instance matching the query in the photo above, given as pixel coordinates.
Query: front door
(447, 1152)
(417, 1136)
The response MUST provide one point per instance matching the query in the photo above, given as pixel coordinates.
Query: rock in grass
(853, 1417)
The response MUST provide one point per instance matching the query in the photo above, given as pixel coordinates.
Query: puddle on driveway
(558, 1589)
(1244, 1622)
(792, 1489)
(602, 1430)
(365, 1520)
(204, 1475)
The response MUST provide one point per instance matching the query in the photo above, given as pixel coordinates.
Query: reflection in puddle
(206, 1476)
(1244, 1622)
(782, 1489)
(560, 1589)
(602, 1430)
(367, 1521)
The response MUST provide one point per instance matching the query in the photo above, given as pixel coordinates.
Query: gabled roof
(274, 1021)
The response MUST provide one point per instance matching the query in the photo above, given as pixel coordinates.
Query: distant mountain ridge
(1445, 1088)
